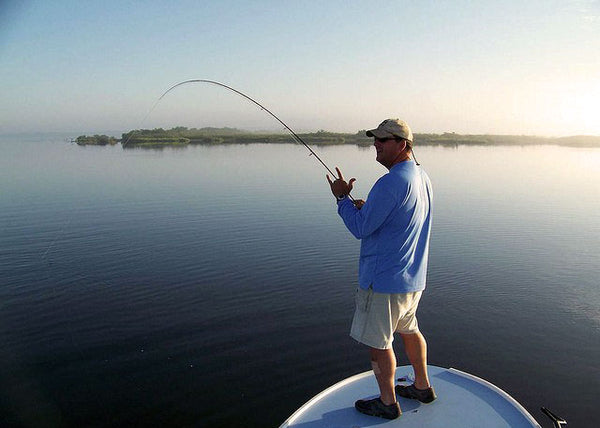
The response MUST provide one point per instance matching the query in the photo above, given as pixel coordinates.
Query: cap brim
(379, 133)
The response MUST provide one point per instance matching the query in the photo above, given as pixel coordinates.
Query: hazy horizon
(117, 134)
(508, 68)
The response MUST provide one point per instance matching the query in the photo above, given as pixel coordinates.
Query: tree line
(181, 136)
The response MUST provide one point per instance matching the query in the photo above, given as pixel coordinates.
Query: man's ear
(403, 145)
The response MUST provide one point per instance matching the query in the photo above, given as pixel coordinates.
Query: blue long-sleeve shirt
(394, 226)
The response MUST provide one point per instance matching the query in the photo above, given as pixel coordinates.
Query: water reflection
(207, 257)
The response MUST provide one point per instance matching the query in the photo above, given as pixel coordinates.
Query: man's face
(388, 150)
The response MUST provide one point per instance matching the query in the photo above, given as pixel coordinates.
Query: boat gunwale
(506, 396)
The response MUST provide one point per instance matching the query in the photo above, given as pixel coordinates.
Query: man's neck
(404, 156)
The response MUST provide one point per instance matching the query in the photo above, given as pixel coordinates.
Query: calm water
(213, 286)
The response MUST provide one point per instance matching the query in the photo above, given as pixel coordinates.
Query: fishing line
(297, 138)
(59, 296)
(56, 238)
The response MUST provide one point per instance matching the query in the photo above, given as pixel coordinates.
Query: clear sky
(503, 67)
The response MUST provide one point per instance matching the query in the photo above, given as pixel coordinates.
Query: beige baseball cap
(391, 128)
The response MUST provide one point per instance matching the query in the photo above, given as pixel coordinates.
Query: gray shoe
(375, 407)
(411, 391)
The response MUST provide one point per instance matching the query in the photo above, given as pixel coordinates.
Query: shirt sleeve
(378, 206)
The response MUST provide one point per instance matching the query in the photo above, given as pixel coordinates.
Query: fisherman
(394, 225)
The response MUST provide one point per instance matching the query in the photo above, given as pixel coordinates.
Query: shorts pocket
(363, 299)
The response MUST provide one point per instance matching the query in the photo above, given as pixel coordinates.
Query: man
(394, 225)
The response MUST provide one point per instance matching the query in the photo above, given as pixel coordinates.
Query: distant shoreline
(181, 136)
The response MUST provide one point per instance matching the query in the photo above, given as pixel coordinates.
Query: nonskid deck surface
(463, 400)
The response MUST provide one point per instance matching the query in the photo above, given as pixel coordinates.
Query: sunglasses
(383, 140)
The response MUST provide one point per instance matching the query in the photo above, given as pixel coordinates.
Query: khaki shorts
(379, 315)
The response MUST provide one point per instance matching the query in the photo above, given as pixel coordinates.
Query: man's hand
(339, 187)
(358, 203)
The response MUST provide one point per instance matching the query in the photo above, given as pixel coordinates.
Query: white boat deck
(463, 401)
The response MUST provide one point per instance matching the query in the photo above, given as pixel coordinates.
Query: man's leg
(384, 367)
(415, 347)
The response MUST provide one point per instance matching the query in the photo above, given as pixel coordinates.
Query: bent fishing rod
(213, 82)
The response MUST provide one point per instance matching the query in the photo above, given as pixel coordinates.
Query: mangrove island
(182, 136)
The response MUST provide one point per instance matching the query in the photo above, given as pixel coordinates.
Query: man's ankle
(387, 402)
(422, 385)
